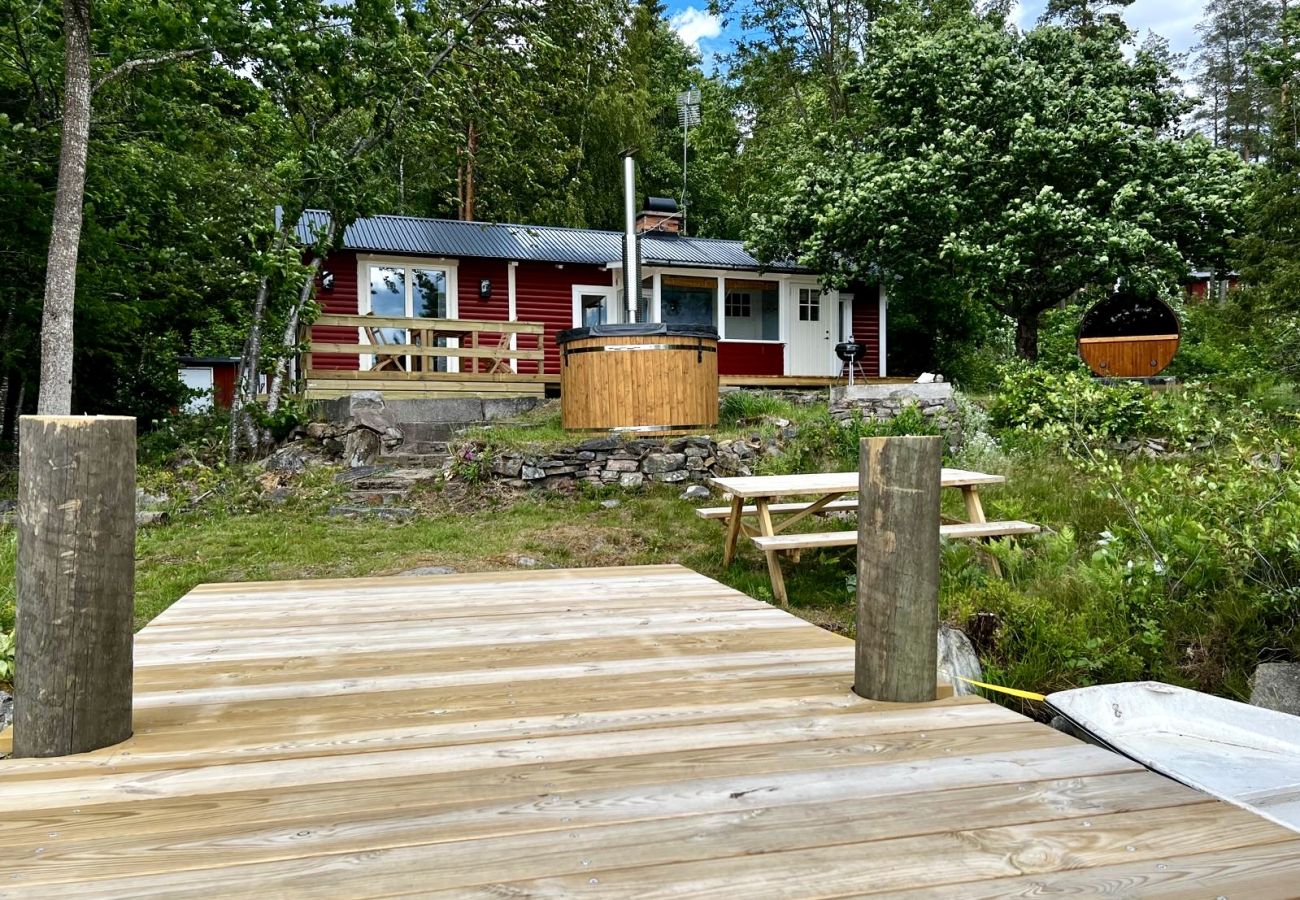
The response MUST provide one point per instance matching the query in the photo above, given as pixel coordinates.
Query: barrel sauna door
(1129, 335)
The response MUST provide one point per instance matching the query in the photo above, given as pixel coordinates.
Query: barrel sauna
(639, 378)
(1129, 335)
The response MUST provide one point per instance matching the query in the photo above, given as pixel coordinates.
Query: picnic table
(764, 520)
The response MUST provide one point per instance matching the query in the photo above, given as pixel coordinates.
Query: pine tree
(1237, 102)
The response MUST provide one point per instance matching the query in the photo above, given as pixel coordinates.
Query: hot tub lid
(638, 329)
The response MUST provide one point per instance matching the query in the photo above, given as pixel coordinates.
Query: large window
(688, 300)
(752, 308)
(404, 292)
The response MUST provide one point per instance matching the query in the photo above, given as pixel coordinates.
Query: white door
(398, 290)
(813, 317)
(594, 305)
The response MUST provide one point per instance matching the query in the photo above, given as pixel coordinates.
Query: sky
(1174, 20)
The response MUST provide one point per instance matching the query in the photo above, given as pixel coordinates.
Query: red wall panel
(544, 293)
(469, 273)
(341, 300)
(866, 328)
(751, 358)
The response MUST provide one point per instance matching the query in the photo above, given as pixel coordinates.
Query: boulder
(696, 492)
(661, 463)
(957, 658)
(1277, 687)
(631, 480)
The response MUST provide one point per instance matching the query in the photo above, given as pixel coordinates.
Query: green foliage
(1016, 168)
(738, 408)
(1069, 406)
(823, 444)
(7, 650)
(185, 436)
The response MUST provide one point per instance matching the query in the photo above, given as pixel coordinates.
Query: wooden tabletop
(831, 483)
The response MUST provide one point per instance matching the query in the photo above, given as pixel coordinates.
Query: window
(738, 305)
(753, 309)
(688, 300)
(810, 305)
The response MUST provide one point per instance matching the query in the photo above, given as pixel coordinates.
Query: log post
(898, 569)
(76, 584)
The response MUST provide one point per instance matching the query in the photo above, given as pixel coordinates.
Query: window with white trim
(739, 305)
(810, 305)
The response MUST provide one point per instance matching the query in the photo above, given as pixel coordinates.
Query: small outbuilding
(1130, 334)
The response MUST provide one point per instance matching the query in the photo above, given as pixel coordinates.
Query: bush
(823, 444)
(743, 407)
(1069, 405)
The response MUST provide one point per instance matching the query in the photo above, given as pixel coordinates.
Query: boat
(1243, 754)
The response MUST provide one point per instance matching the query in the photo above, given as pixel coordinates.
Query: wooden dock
(633, 733)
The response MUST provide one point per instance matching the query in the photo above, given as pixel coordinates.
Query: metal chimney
(631, 241)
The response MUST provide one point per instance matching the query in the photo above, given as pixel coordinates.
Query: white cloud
(693, 25)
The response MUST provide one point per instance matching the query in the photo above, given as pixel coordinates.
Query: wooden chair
(377, 337)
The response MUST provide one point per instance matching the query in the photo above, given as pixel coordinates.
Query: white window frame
(609, 292)
(448, 266)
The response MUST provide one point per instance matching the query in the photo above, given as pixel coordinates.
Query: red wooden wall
(544, 293)
(866, 327)
(341, 300)
(750, 358)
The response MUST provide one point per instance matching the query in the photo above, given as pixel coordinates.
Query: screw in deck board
(898, 569)
(76, 584)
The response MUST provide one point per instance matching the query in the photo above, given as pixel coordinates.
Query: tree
(1015, 169)
(1237, 100)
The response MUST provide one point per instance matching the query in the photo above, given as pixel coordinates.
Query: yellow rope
(1014, 692)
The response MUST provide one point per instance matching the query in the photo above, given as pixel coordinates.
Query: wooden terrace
(491, 359)
(636, 732)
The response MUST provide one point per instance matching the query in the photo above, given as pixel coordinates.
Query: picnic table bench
(829, 490)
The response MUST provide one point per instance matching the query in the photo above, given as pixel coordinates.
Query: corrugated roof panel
(542, 243)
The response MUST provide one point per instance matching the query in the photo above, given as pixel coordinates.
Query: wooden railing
(483, 347)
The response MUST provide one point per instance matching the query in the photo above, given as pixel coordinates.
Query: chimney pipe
(631, 242)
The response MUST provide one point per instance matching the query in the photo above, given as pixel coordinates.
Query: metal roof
(544, 243)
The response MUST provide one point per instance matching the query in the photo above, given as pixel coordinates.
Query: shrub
(741, 407)
(7, 650)
(1069, 405)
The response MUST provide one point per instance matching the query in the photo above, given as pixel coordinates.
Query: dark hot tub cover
(637, 329)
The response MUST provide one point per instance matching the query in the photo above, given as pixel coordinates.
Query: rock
(531, 473)
(291, 459)
(319, 431)
(601, 443)
(360, 472)
(147, 517)
(671, 477)
(957, 658)
(631, 480)
(527, 562)
(508, 466)
(360, 448)
(429, 570)
(143, 500)
(1277, 687)
(621, 465)
(6, 710)
(660, 463)
(696, 492)
(611, 504)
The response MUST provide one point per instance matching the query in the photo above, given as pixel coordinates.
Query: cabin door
(813, 323)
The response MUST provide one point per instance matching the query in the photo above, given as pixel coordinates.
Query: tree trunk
(55, 396)
(1027, 336)
(242, 432)
(290, 337)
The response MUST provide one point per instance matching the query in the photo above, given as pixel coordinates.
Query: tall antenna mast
(688, 114)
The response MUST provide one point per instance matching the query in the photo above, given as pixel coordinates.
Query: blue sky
(1172, 19)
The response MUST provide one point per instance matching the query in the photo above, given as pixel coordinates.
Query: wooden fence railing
(482, 347)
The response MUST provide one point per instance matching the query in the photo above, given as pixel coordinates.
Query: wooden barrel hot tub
(651, 378)
(1129, 335)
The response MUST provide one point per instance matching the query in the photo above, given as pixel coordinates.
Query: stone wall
(627, 463)
(885, 401)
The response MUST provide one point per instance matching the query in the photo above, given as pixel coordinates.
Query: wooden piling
(898, 569)
(76, 584)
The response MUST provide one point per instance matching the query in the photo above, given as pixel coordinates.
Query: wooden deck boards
(636, 732)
